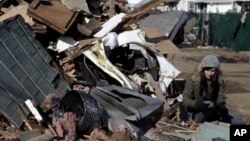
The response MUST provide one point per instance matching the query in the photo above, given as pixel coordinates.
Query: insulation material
(65, 126)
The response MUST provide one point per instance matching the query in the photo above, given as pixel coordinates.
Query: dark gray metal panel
(20, 74)
(9, 108)
(20, 26)
(22, 58)
(133, 108)
(21, 35)
(11, 84)
(63, 86)
(44, 85)
(40, 63)
(25, 69)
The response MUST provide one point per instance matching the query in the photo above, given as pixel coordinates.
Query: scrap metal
(26, 68)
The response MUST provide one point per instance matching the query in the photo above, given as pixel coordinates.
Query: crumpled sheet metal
(167, 71)
(97, 55)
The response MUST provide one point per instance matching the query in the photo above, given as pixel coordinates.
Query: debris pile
(84, 70)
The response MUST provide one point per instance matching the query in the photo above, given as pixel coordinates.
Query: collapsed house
(94, 74)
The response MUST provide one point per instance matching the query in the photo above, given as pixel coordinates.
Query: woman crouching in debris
(204, 93)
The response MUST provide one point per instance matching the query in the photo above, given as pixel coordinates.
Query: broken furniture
(53, 14)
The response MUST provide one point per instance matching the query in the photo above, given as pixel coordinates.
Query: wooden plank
(54, 15)
(84, 44)
(167, 47)
(152, 32)
(160, 41)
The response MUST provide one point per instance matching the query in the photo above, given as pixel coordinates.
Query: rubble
(169, 28)
(87, 70)
(49, 13)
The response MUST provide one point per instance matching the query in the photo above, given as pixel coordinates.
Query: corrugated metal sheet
(9, 107)
(19, 26)
(14, 86)
(24, 37)
(12, 64)
(20, 56)
(25, 69)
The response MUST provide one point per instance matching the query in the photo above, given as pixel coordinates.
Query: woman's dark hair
(214, 83)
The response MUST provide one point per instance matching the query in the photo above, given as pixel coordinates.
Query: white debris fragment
(33, 110)
(64, 43)
(109, 25)
(134, 36)
(110, 40)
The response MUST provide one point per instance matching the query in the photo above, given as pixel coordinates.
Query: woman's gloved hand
(200, 105)
(209, 103)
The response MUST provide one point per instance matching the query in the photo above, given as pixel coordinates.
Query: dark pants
(210, 114)
(206, 115)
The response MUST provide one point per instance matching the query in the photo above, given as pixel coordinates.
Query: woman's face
(209, 73)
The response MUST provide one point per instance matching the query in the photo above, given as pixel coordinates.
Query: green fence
(227, 30)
